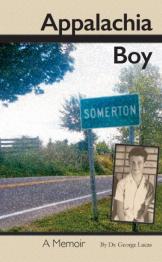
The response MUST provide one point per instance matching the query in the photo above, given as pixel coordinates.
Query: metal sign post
(131, 141)
(92, 175)
(131, 135)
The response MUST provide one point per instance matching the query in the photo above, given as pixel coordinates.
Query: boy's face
(136, 165)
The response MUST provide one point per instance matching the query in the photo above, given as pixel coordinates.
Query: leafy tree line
(57, 158)
(148, 84)
(25, 66)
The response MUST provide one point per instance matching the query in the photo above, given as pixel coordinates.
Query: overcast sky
(95, 75)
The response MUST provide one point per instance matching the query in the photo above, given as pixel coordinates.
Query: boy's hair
(138, 151)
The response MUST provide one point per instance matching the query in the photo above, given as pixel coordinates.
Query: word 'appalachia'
(96, 24)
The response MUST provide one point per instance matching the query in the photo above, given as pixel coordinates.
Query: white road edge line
(51, 205)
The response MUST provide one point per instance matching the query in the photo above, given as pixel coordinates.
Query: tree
(70, 119)
(148, 84)
(102, 148)
(25, 66)
(70, 114)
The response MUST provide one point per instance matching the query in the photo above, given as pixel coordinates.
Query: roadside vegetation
(55, 159)
(79, 220)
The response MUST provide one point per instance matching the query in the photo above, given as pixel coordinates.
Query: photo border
(156, 183)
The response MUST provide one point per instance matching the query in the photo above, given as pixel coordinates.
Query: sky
(94, 75)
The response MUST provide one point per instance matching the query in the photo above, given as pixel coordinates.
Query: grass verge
(79, 220)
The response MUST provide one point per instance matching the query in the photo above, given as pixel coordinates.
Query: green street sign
(113, 111)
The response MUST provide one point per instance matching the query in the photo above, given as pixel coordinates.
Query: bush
(106, 164)
(69, 156)
(99, 169)
(56, 159)
(28, 164)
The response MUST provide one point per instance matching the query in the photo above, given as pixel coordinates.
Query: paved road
(25, 199)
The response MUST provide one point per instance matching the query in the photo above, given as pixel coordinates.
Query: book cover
(81, 131)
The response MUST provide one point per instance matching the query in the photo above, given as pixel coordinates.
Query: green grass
(79, 220)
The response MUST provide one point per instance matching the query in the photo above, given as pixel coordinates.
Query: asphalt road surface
(25, 199)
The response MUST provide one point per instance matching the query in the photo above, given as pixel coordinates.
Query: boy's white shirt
(132, 196)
